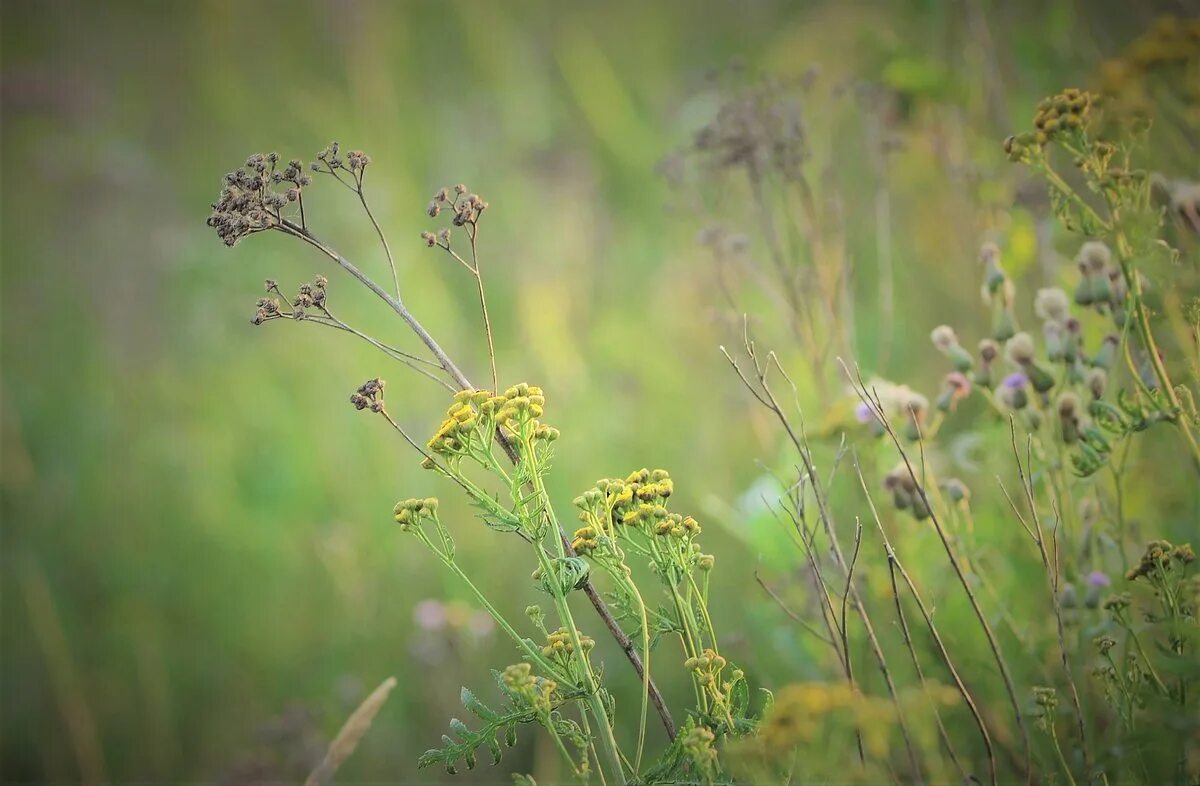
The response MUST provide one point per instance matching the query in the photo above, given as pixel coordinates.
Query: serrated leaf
(494, 749)
(768, 702)
(472, 703)
(463, 749)
(739, 698)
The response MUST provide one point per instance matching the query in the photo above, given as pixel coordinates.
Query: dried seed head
(944, 338)
(989, 350)
(1020, 349)
(1095, 256)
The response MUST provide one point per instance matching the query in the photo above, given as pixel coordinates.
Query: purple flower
(430, 614)
(864, 413)
(1098, 579)
(1016, 381)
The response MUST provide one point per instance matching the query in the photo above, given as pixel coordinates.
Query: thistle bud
(946, 342)
(1107, 354)
(1097, 381)
(1051, 305)
(1068, 416)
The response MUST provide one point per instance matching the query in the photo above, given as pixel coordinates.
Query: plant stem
(623, 641)
(1141, 317)
(362, 197)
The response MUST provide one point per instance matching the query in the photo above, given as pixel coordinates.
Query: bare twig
(1050, 566)
(997, 655)
(894, 567)
(765, 395)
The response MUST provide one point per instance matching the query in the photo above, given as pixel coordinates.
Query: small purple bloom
(1016, 381)
(430, 614)
(1098, 579)
(864, 413)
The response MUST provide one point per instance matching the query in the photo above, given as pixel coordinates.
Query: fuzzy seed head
(1020, 349)
(1051, 304)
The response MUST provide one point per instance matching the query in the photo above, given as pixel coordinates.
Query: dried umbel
(256, 198)
(759, 128)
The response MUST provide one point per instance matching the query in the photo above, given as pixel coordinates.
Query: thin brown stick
(1051, 570)
(893, 565)
(803, 623)
(850, 592)
(993, 643)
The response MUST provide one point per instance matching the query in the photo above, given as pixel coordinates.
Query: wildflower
(1020, 352)
(1117, 603)
(560, 644)
(946, 341)
(905, 493)
(700, 744)
(1156, 557)
(993, 275)
(1107, 354)
(955, 490)
(998, 291)
(1047, 701)
(1097, 381)
(584, 541)
(914, 406)
(955, 387)
(410, 513)
(1068, 415)
(989, 350)
(1051, 305)
(430, 614)
(1067, 597)
(1097, 581)
(1012, 391)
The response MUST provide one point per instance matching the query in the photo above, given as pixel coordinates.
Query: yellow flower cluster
(803, 711)
(540, 691)
(637, 501)
(559, 643)
(700, 744)
(1169, 45)
(475, 413)
(1066, 112)
(585, 540)
(676, 526)
(409, 512)
(707, 666)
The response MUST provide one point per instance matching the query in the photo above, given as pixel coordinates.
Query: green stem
(520, 640)
(1133, 282)
(611, 758)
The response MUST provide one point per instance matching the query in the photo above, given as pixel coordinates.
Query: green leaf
(463, 749)
(739, 698)
(571, 573)
(477, 707)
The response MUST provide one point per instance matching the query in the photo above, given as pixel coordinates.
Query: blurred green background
(200, 574)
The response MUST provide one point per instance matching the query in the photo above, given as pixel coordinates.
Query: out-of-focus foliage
(201, 577)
